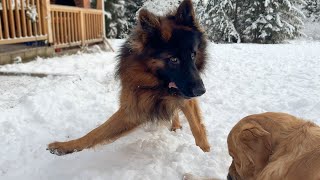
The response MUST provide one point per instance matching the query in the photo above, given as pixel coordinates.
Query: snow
(161, 7)
(312, 30)
(241, 79)
(32, 13)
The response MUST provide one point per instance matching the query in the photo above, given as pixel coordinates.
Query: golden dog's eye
(174, 60)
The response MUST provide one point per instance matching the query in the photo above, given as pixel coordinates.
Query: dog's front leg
(176, 122)
(116, 126)
(192, 112)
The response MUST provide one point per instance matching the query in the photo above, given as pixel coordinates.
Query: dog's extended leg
(116, 126)
(176, 122)
(192, 112)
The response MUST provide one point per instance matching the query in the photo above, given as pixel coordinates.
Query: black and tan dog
(159, 69)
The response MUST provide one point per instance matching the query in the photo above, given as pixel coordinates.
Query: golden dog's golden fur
(274, 146)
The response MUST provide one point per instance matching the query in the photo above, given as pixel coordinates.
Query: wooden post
(72, 27)
(23, 19)
(5, 19)
(17, 16)
(100, 4)
(63, 35)
(65, 25)
(69, 27)
(53, 26)
(103, 20)
(0, 28)
(11, 19)
(39, 23)
(48, 29)
(82, 27)
(76, 25)
(57, 21)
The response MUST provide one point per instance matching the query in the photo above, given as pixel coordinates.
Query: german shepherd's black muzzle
(193, 89)
(189, 83)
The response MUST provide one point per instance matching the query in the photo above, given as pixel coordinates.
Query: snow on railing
(37, 20)
(23, 21)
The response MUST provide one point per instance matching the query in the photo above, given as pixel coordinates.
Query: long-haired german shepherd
(159, 69)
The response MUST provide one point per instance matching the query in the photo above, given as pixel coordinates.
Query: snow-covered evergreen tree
(161, 7)
(217, 20)
(260, 21)
(116, 21)
(312, 10)
(131, 9)
(271, 21)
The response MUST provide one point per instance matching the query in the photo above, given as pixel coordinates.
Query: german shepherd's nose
(196, 89)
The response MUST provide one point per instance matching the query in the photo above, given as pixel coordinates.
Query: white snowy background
(241, 79)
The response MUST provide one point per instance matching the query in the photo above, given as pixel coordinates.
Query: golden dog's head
(249, 145)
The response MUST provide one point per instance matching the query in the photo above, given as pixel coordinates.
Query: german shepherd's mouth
(174, 90)
(186, 93)
(172, 85)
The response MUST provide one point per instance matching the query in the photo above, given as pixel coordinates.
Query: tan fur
(176, 122)
(155, 64)
(275, 146)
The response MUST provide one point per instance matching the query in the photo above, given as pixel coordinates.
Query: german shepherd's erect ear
(185, 14)
(148, 21)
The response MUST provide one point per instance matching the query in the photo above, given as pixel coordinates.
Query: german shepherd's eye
(193, 55)
(174, 60)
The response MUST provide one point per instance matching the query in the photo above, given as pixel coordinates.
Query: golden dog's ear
(257, 143)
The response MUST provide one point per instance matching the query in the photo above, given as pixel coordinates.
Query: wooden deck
(60, 26)
(55, 26)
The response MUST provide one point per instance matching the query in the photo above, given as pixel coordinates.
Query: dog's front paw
(60, 148)
(204, 146)
(174, 128)
(205, 149)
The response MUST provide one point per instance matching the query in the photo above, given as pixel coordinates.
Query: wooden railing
(61, 26)
(73, 26)
(17, 24)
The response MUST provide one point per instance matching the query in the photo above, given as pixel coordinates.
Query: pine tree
(259, 21)
(271, 21)
(312, 10)
(131, 9)
(215, 16)
(115, 19)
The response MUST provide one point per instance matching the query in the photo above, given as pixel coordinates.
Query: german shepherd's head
(171, 48)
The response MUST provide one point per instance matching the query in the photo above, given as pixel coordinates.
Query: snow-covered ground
(241, 79)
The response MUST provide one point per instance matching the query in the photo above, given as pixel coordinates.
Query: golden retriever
(273, 146)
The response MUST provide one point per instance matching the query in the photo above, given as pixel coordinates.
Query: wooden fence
(73, 26)
(17, 24)
(61, 26)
